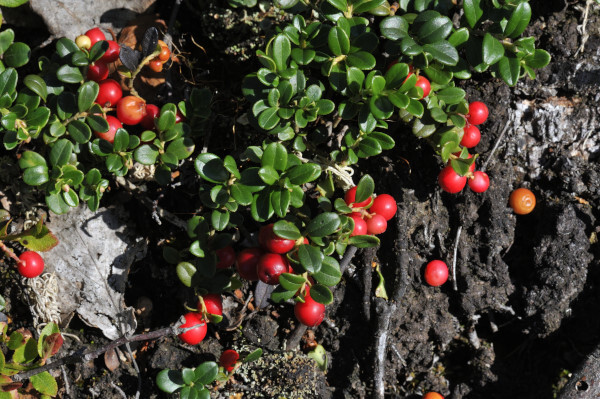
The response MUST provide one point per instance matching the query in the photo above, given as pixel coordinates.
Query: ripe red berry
(226, 257)
(165, 53)
(270, 266)
(471, 136)
(522, 201)
(480, 182)
(112, 54)
(310, 313)
(478, 113)
(424, 84)
(131, 110)
(246, 263)
(384, 205)
(156, 65)
(95, 35)
(376, 224)
(109, 93)
(450, 181)
(152, 112)
(228, 360)
(31, 264)
(350, 197)
(113, 125)
(273, 243)
(213, 303)
(97, 72)
(197, 334)
(433, 395)
(360, 226)
(436, 273)
(179, 117)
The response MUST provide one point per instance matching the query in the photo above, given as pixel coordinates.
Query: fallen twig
(454, 284)
(496, 145)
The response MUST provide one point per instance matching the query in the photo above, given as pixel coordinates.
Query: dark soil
(521, 314)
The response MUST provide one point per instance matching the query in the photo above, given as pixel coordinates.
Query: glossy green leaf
(339, 41)
(241, 193)
(219, 219)
(69, 74)
(36, 175)
(269, 118)
(37, 85)
(394, 27)
(97, 123)
(321, 294)
(364, 241)
(61, 152)
(368, 147)
(443, 52)
(385, 141)
(268, 174)
(211, 168)
(169, 380)
(30, 159)
(365, 188)
(8, 81)
(186, 271)
(44, 383)
(518, 20)
(16, 55)
(253, 356)
(473, 11)
(311, 258)
(56, 204)
(181, 148)
(451, 95)
(432, 27)
(340, 5)
(206, 373)
(281, 51)
(275, 155)
(261, 208)
(509, 69)
(492, 49)
(280, 294)
(410, 47)
(291, 282)
(539, 59)
(361, 60)
(280, 200)
(7, 37)
(86, 95)
(285, 229)
(459, 37)
(415, 108)
(79, 131)
(146, 154)
(304, 173)
(323, 225)
(330, 273)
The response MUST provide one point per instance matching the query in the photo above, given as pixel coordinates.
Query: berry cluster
(210, 307)
(156, 64)
(371, 215)
(448, 179)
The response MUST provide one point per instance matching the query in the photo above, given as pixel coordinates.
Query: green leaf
(37, 85)
(304, 173)
(206, 373)
(61, 152)
(7, 37)
(330, 273)
(280, 200)
(539, 59)
(394, 27)
(473, 11)
(321, 294)
(281, 51)
(186, 271)
(518, 20)
(384, 140)
(443, 52)
(44, 383)
(181, 148)
(509, 69)
(410, 47)
(31, 158)
(79, 131)
(339, 41)
(269, 118)
(16, 55)
(291, 282)
(12, 3)
(211, 168)
(365, 188)
(368, 147)
(98, 50)
(97, 123)
(86, 95)
(275, 155)
(57, 204)
(323, 225)
(459, 37)
(38, 118)
(451, 95)
(492, 49)
(361, 60)
(146, 154)
(166, 120)
(8, 81)
(311, 258)
(241, 194)
(341, 5)
(253, 356)
(36, 175)
(169, 380)
(363, 241)
(285, 229)
(415, 108)
(280, 294)
(219, 219)
(69, 74)
(268, 174)
(261, 208)
(432, 27)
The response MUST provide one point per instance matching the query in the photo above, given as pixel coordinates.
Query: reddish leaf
(52, 344)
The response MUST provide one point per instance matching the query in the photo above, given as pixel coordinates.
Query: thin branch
(454, 284)
(367, 282)
(491, 154)
(82, 355)
(9, 252)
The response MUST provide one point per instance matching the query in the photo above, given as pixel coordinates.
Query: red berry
(226, 257)
(112, 54)
(179, 117)
(360, 226)
(95, 35)
(31, 264)
(152, 112)
(450, 181)
(471, 136)
(424, 84)
(350, 197)
(165, 53)
(480, 182)
(213, 303)
(522, 201)
(376, 224)
(109, 93)
(97, 72)
(273, 243)
(131, 110)
(270, 266)
(478, 113)
(156, 65)
(310, 313)
(197, 334)
(246, 263)
(113, 125)
(433, 395)
(436, 273)
(384, 205)
(228, 360)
